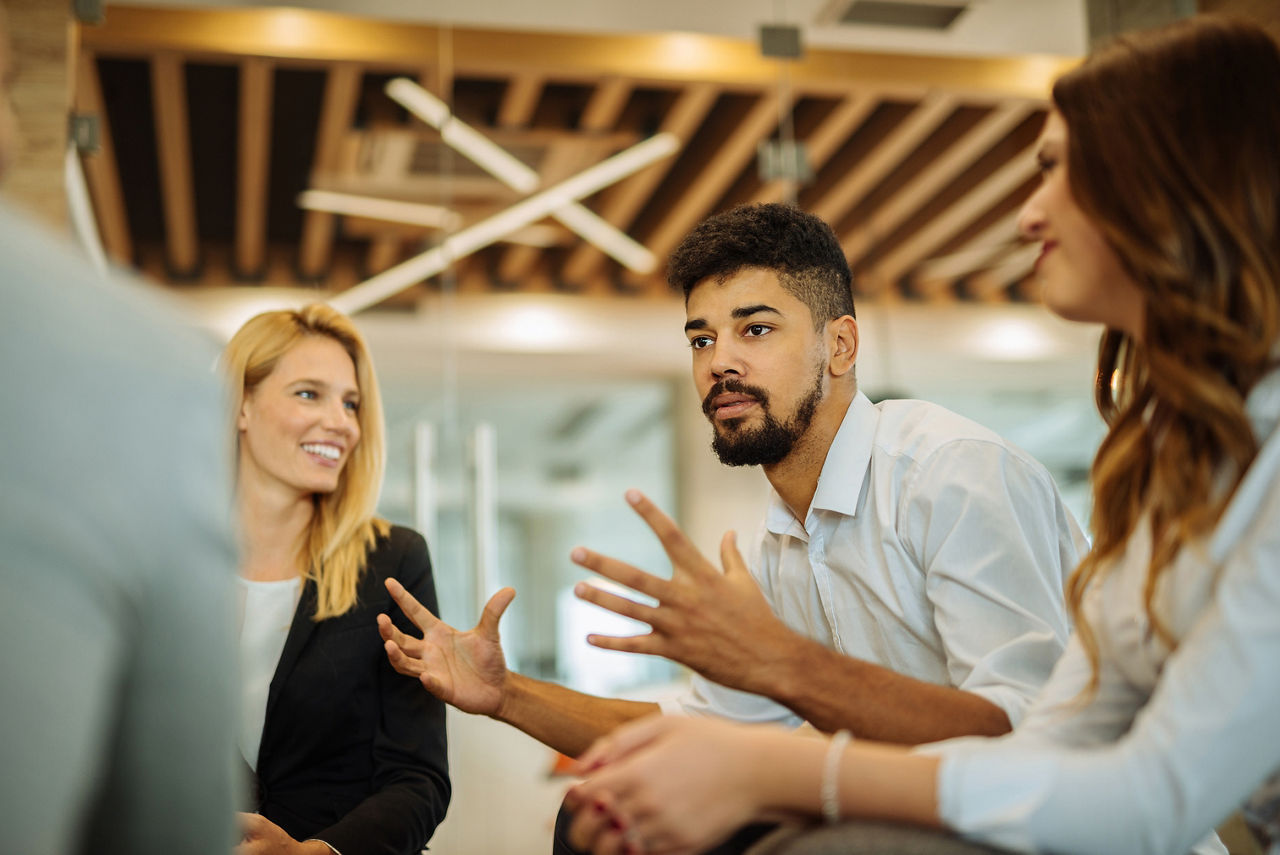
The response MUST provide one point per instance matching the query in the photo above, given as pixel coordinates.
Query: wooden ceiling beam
(842, 195)
(922, 187)
(173, 142)
(623, 202)
(384, 253)
(714, 177)
(256, 78)
(318, 37)
(973, 254)
(825, 141)
(997, 186)
(519, 101)
(102, 172)
(1009, 270)
(341, 92)
(605, 105)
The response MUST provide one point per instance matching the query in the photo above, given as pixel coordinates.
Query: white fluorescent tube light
(516, 174)
(354, 205)
(492, 229)
(463, 138)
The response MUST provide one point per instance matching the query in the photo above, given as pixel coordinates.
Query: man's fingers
(390, 632)
(614, 603)
(683, 554)
(730, 558)
(406, 665)
(492, 614)
(648, 643)
(422, 618)
(620, 572)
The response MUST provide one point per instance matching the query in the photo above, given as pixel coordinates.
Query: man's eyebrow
(748, 311)
(739, 313)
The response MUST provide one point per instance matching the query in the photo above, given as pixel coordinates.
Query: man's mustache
(732, 384)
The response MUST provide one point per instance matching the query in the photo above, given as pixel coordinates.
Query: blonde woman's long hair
(335, 549)
(1173, 152)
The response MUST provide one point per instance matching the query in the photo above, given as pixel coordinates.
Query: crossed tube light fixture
(494, 228)
(508, 169)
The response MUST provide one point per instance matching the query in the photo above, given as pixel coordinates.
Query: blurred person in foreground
(116, 561)
(346, 755)
(1159, 215)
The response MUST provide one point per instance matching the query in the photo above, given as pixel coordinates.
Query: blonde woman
(1159, 216)
(346, 755)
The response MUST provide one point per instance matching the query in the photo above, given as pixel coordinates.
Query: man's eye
(758, 330)
(700, 341)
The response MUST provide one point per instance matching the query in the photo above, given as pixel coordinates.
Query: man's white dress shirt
(1174, 740)
(932, 547)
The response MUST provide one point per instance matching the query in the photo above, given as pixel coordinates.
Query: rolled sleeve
(705, 698)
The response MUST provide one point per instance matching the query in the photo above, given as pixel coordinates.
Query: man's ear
(842, 335)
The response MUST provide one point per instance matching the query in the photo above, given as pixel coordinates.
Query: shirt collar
(843, 472)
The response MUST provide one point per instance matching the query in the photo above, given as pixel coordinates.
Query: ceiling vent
(935, 17)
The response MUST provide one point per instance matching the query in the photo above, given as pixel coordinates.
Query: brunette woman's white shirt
(1174, 740)
(267, 614)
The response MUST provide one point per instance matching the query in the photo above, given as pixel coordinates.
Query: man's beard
(767, 443)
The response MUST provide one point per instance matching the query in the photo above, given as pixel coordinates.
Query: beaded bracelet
(830, 776)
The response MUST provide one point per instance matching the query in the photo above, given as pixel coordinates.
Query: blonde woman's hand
(465, 669)
(261, 836)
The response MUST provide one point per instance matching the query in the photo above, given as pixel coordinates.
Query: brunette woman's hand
(464, 669)
(670, 784)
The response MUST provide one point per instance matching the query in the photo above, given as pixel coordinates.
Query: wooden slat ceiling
(215, 121)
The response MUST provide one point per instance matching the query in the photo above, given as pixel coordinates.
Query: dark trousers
(866, 838)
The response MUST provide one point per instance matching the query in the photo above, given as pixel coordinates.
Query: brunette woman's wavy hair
(343, 527)
(1173, 152)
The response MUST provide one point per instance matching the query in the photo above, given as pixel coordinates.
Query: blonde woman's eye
(353, 406)
(308, 394)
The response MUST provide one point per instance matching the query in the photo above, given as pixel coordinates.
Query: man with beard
(908, 581)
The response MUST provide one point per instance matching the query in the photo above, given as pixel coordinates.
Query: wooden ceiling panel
(215, 121)
(173, 141)
(341, 91)
(254, 152)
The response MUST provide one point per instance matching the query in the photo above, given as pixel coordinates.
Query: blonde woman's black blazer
(352, 753)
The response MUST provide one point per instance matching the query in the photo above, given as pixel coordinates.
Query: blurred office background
(529, 382)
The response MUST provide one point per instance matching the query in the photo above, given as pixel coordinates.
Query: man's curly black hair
(799, 247)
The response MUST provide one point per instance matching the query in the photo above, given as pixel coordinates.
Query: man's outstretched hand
(716, 622)
(465, 669)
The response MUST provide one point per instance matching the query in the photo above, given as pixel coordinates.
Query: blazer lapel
(299, 632)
